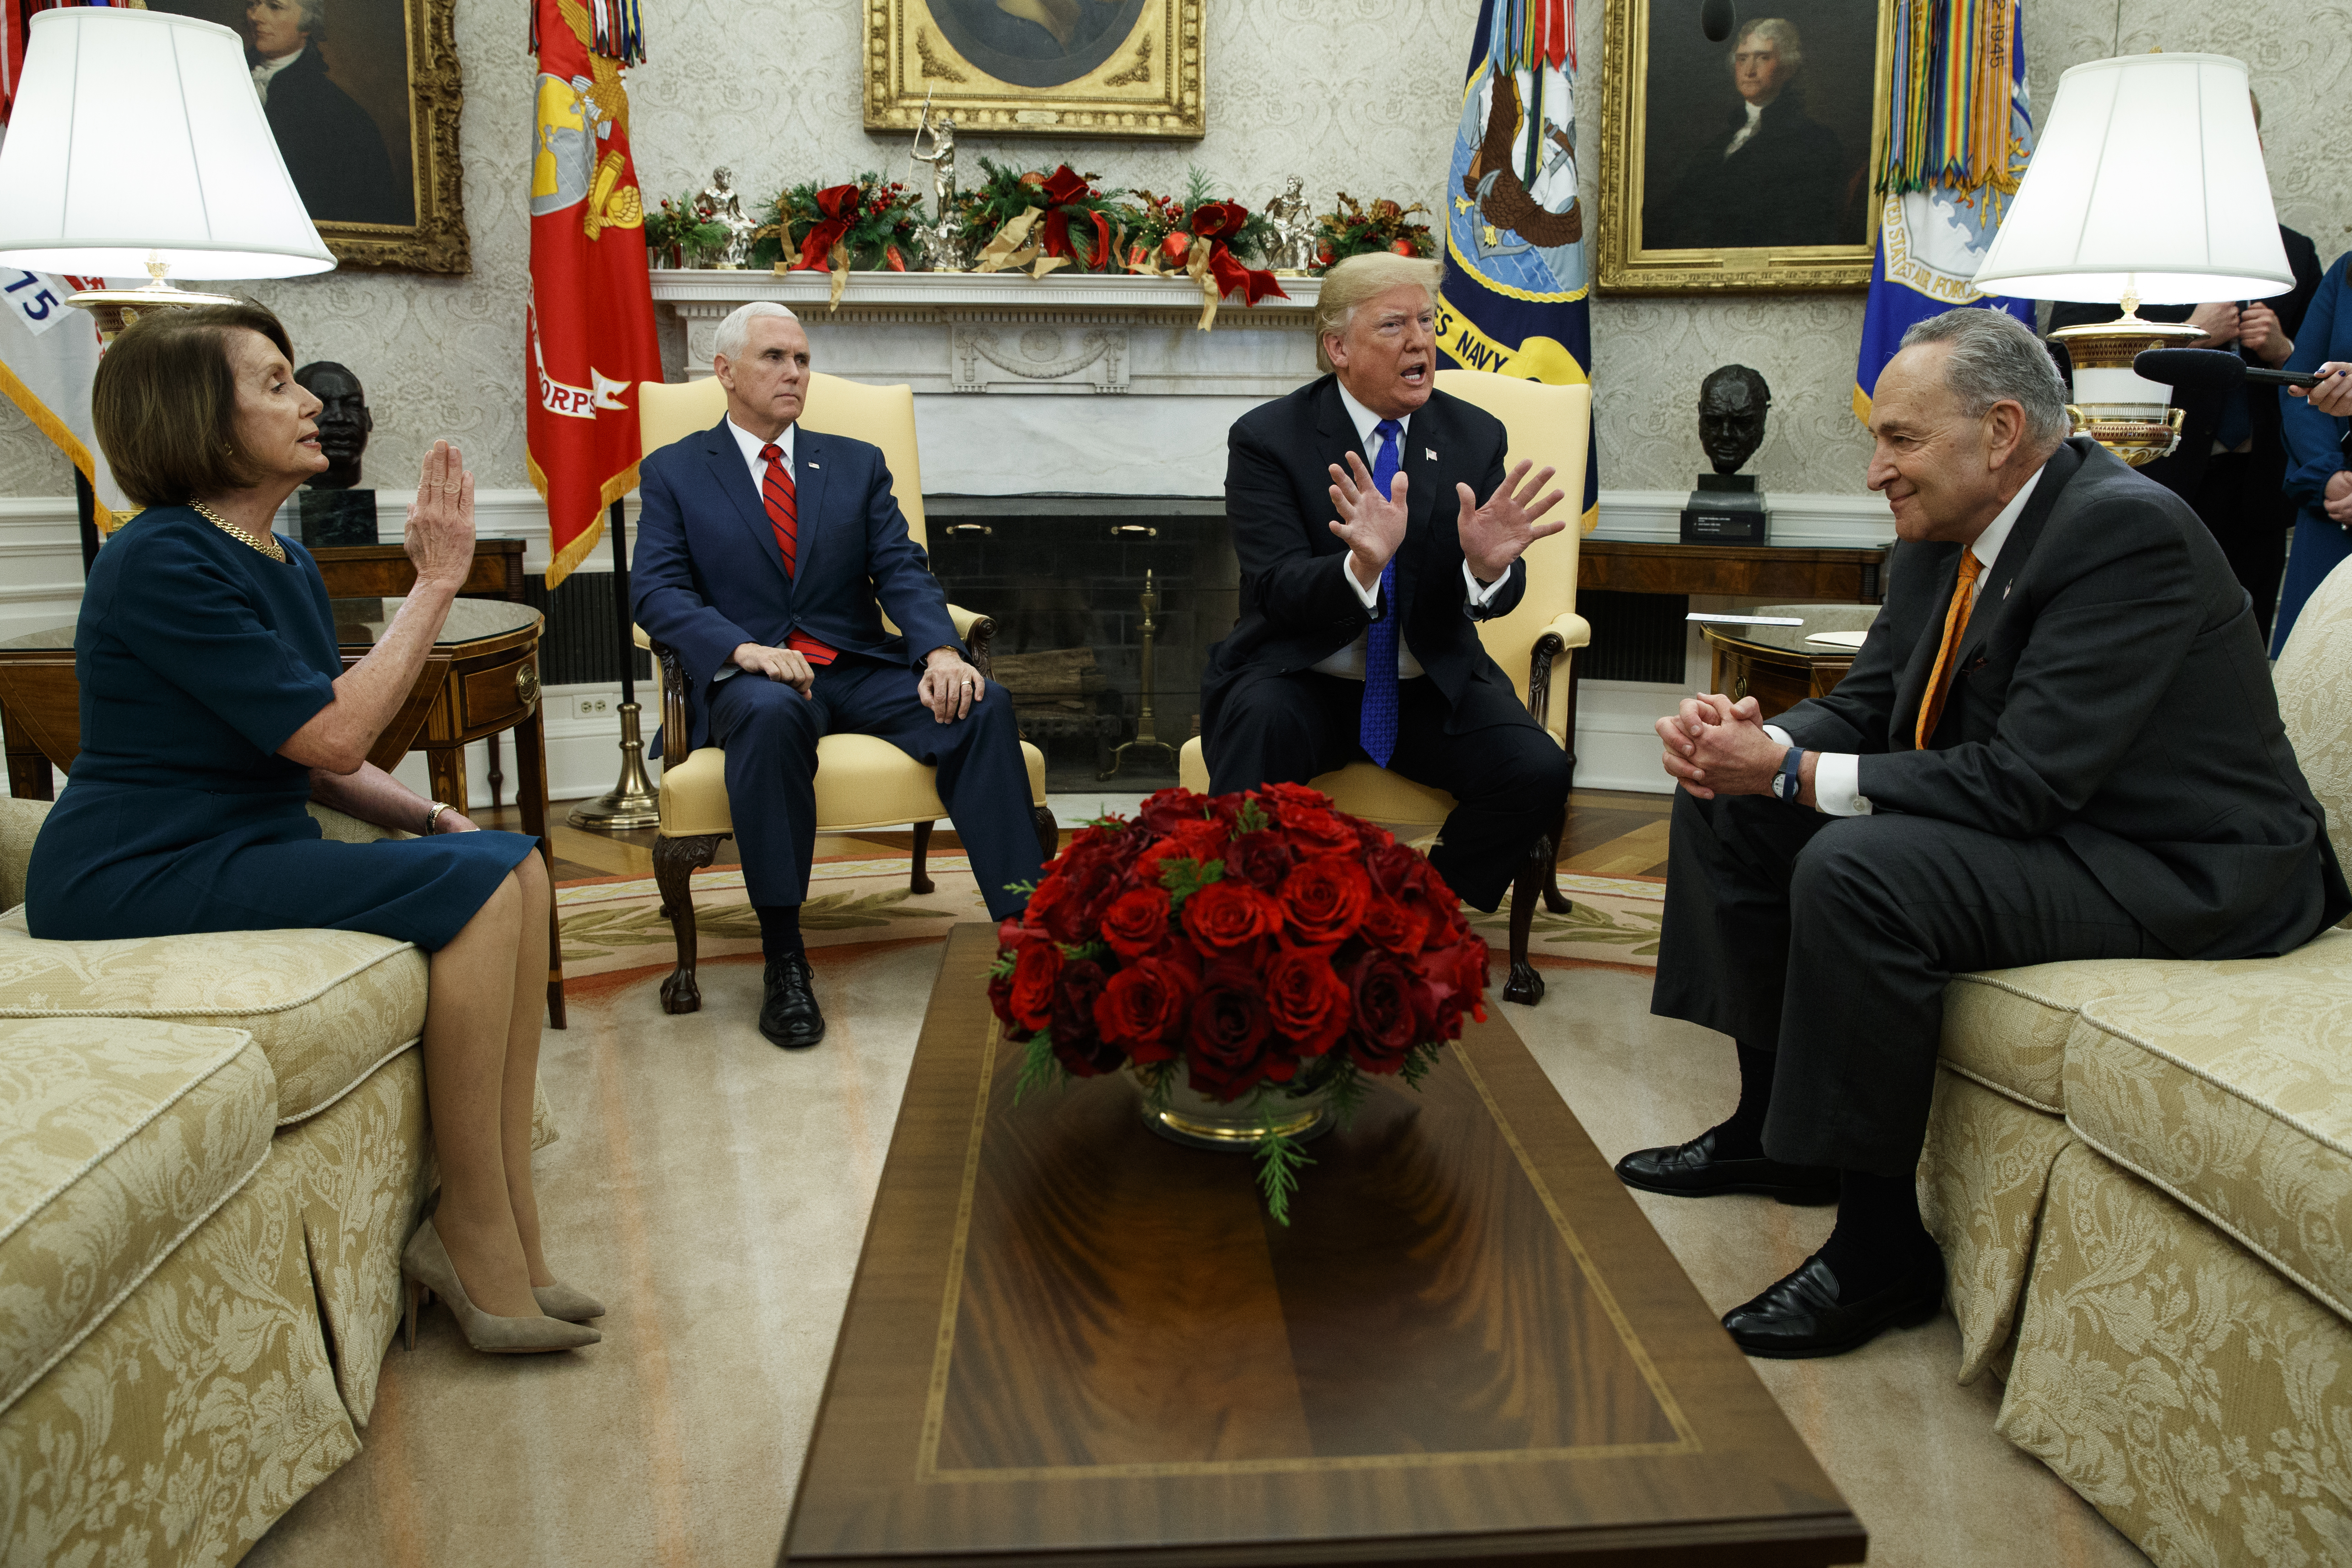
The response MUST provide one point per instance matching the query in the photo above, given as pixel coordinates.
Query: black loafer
(1693, 1170)
(787, 1010)
(1802, 1315)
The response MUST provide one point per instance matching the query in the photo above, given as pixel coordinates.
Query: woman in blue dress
(215, 709)
(2319, 461)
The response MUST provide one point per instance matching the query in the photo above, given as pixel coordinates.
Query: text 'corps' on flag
(1515, 298)
(591, 312)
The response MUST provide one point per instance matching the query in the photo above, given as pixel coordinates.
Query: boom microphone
(1715, 19)
(2213, 368)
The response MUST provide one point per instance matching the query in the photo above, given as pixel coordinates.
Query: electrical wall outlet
(593, 707)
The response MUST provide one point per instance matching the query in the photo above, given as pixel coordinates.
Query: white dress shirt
(270, 68)
(757, 466)
(1348, 662)
(1837, 775)
(1739, 137)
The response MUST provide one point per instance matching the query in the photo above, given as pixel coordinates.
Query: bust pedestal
(1726, 509)
(337, 517)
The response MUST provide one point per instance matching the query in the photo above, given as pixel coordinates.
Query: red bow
(839, 204)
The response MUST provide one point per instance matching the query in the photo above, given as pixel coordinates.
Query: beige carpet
(714, 1190)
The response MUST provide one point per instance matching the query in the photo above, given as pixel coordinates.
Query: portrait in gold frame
(389, 73)
(1675, 219)
(1092, 68)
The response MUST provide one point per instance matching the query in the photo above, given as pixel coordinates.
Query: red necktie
(784, 516)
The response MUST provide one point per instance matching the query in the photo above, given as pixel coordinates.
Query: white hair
(1783, 36)
(1996, 358)
(1359, 279)
(735, 331)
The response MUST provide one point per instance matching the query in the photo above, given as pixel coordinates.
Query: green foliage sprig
(1354, 229)
(883, 218)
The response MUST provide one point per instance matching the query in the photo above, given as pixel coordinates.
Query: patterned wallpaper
(1357, 94)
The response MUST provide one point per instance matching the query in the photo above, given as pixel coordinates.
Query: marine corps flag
(1515, 295)
(591, 313)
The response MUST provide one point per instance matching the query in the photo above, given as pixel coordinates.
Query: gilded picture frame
(364, 97)
(1047, 67)
(1706, 189)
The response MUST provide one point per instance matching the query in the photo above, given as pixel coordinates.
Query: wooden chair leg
(1049, 833)
(1555, 900)
(917, 880)
(675, 862)
(1525, 984)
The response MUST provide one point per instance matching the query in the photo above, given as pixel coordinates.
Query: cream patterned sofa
(2141, 1175)
(211, 1150)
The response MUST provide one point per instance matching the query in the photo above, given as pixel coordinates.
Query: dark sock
(1742, 1137)
(780, 930)
(1878, 1238)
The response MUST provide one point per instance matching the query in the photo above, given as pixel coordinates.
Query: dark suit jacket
(2112, 692)
(2201, 408)
(708, 576)
(334, 150)
(2318, 446)
(1784, 186)
(1295, 610)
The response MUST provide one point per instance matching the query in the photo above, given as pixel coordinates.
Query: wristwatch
(432, 813)
(1790, 778)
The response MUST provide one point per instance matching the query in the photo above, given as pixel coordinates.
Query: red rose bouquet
(1265, 946)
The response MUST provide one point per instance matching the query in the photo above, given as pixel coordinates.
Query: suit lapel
(1993, 587)
(726, 470)
(1423, 438)
(1911, 689)
(811, 455)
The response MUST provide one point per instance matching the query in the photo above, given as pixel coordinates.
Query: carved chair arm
(675, 730)
(975, 629)
(1566, 634)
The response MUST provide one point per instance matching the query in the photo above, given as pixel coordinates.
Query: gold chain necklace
(274, 550)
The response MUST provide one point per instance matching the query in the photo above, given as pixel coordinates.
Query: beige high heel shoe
(560, 1300)
(425, 1268)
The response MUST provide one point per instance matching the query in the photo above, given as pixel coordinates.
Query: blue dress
(2315, 450)
(198, 656)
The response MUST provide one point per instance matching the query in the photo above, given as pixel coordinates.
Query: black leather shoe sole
(794, 1036)
(1691, 1171)
(1833, 1330)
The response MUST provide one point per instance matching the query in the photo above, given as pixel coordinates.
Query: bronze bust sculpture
(1732, 404)
(335, 511)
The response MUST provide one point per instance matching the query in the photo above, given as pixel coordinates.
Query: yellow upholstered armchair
(862, 783)
(1548, 425)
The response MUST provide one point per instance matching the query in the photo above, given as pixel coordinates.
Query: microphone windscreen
(1715, 19)
(2191, 367)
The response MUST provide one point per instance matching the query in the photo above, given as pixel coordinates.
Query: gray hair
(312, 19)
(735, 331)
(1996, 358)
(1362, 279)
(1782, 32)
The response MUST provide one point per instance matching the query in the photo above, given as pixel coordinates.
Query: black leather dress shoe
(1802, 1315)
(788, 1011)
(1693, 1170)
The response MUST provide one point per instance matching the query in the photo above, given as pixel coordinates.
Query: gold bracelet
(434, 815)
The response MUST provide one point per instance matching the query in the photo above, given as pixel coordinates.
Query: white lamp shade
(2147, 179)
(138, 134)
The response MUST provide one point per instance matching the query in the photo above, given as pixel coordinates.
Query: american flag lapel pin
(2005, 588)
(1429, 452)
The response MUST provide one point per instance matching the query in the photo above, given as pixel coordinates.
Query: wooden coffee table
(1071, 1341)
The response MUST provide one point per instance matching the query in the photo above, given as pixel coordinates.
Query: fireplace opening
(1071, 582)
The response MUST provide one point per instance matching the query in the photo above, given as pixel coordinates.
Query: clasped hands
(1493, 535)
(1716, 746)
(949, 688)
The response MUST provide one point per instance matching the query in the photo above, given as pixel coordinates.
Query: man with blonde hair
(1368, 559)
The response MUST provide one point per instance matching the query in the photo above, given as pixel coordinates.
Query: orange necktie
(1956, 622)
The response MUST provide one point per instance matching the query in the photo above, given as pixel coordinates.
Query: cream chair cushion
(862, 782)
(2009, 1029)
(2313, 677)
(1360, 789)
(118, 1138)
(2230, 1093)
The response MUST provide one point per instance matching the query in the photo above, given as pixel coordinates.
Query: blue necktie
(1378, 726)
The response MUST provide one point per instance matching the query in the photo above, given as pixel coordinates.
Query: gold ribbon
(838, 260)
(1196, 266)
(1007, 250)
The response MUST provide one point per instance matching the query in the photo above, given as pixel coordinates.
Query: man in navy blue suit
(767, 556)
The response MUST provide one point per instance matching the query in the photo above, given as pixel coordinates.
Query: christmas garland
(672, 230)
(869, 224)
(1353, 230)
(1197, 237)
(1039, 220)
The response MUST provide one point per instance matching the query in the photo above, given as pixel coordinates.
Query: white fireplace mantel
(1087, 383)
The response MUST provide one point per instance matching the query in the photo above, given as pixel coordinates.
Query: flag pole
(633, 803)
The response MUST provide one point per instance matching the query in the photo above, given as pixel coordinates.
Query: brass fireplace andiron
(1146, 735)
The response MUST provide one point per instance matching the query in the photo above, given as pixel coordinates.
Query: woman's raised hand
(440, 534)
